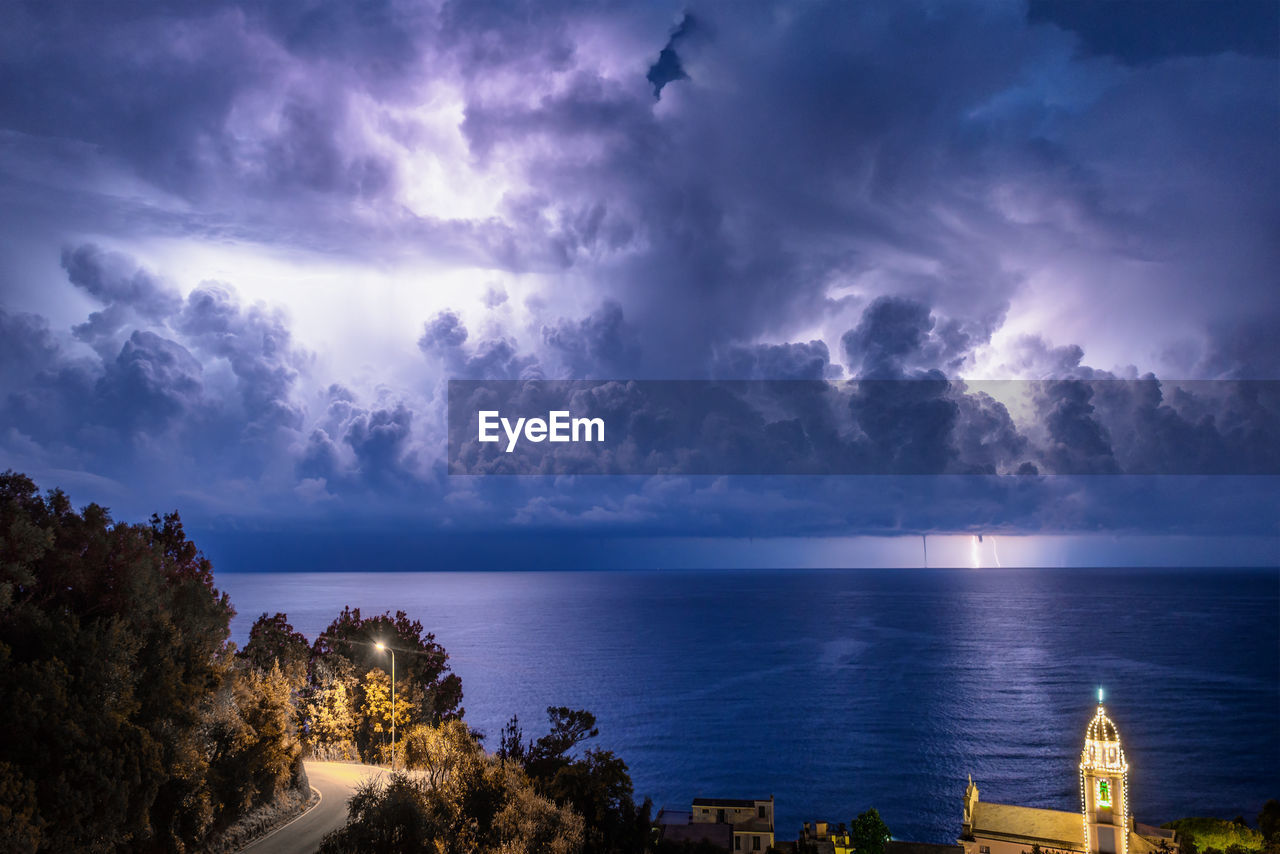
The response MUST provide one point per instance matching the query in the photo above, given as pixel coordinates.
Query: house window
(737, 843)
(755, 843)
(760, 812)
(984, 849)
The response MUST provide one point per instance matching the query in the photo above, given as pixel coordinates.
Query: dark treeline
(128, 724)
(131, 723)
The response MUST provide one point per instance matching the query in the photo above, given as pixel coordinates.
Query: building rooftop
(670, 816)
(729, 802)
(1054, 827)
(1157, 832)
(894, 846)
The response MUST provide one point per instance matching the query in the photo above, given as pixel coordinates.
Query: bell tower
(1104, 787)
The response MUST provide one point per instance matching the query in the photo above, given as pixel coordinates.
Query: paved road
(335, 781)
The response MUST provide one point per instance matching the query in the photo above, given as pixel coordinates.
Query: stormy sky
(246, 246)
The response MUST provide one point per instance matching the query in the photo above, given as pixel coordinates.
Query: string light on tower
(1102, 768)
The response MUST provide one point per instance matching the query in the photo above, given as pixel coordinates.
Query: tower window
(1104, 793)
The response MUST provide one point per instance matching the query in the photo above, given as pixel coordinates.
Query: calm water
(838, 690)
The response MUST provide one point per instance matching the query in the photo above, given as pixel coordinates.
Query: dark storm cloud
(807, 152)
(256, 343)
(380, 441)
(177, 389)
(153, 382)
(830, 159)
(731, 195)
(26, 346)
(1147, 32)
(809, 360)
(1077, 441)
(809, 192)
(667, 68)
(128, 293)
(444, 337)
(602, 344)
(891, 331)
(114, 279)
(147, 85)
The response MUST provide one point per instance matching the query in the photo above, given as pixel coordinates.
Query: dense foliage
(868, 833)
(1269, 822)
(536, 796)
(342, 683)
(1207, 835)
(127, 725)
(457, 799)
(273, 642)
(596, 784)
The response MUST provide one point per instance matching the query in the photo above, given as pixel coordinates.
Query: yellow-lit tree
(377, 708)
(441, 754)
(329, 710)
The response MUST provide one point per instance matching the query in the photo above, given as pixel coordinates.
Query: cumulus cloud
(444, 337)
(809, 360)
(871, 191)
(600, 344)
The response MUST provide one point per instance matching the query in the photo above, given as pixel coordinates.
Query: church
(1103, 825)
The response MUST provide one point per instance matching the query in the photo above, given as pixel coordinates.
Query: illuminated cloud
(249, 244)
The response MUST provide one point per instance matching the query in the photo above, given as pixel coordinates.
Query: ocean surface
(842, 689)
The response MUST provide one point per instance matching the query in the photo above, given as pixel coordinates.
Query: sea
(838, 690)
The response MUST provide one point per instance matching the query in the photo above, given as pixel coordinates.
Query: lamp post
(382, 646)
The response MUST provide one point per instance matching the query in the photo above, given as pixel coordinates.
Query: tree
(112, 647)
(569, 728)
(511, 747)
(531, 824)
(427, 690)
(441, 753)
(328, 714)
(597, 785)
(272, 640)
(868, 833)
(1202, 835)
(1269, 821)
(461, 800)
(421, 661)
(376, 709)
(254, 751)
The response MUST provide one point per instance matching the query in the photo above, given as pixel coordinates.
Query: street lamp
(381, 646)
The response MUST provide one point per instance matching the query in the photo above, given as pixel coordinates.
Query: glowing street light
(381, 646)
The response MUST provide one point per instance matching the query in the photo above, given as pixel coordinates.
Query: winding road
(335, 781)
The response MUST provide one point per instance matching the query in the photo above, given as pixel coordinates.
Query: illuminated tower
(1104, 787)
